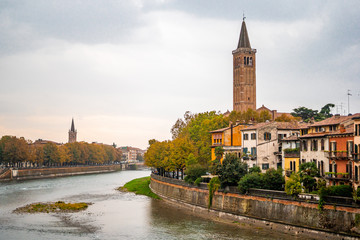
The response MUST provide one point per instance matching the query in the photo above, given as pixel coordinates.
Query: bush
(340, 191)
(193, 172)
(198, 181)
(273, 179)
(255, 169)
(293, 186)
(251, 180)
(213, 186)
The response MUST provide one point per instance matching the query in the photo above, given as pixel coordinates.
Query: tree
(293, 185)
(273, 179)
(264, 116)
(231, 170)
(286, 118)
(13, 150)
(307, 114)
(51, 154)
(307, 172)
(250, 180)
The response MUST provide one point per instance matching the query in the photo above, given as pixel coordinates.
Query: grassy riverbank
(139, 186)
(57, 207)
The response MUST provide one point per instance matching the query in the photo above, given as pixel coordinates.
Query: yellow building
(229, 138)
(291, 152)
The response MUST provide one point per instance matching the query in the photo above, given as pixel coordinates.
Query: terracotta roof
(278, 125)
(334, 120)
(348, 130)
(219, 130)
(342, 131)
(256, 126)
(312, 135)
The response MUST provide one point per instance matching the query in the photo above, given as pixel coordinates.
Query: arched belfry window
(244, 60)
(247, 61)
(251, 61)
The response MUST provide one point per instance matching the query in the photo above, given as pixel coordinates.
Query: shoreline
(43, 173)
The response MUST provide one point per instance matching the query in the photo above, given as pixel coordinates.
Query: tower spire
(72, 132)
(244, 41)
(72, 126)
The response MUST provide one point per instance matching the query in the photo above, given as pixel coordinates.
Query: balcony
(338, 155)
(292, 153)
(277, 153)
(337, 176)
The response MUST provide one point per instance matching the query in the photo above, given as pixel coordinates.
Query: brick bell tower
(72, 132)
(244, 73)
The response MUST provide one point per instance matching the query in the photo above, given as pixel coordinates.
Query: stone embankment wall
(338, 221)
(35, 173)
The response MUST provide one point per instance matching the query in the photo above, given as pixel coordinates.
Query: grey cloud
(22, 23)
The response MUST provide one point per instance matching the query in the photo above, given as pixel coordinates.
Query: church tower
(244, 73)
(72, 133)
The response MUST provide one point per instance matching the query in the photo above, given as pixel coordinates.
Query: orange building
(340, 156)
(229, 138)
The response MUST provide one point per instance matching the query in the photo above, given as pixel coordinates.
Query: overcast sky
(126, 70)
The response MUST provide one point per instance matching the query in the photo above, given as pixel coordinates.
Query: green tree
(250, 180)
(231, 170)
(293, 185)
(273, 179)
(307, 172)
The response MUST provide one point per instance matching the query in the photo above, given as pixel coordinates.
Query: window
(245, 150)
(322, 145)
(350, 148)
(265, 166)
(304, 145)
(332, 146)
(267, 136)
(246, 136)
(253, 136)
(244, 60)
(253, 151)
(314, 145)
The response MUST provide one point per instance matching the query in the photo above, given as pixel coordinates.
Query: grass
(58, 206)
(139, 186)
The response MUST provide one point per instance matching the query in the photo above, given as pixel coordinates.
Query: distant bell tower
(72, 133)
(244, 73)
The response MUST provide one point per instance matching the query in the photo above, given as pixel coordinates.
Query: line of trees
(190, 145)
(18, 152)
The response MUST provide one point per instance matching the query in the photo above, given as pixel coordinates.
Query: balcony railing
(292, 154)
(338, 176)
(338, 155)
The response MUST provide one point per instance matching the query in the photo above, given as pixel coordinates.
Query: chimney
(337, 115)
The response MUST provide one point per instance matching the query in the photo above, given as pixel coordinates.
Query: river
(112, 215)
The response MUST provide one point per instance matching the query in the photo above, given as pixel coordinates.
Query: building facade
(244, 73)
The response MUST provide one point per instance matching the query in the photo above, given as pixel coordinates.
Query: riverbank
(39, 173)
(139, 186)
(293, 217)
